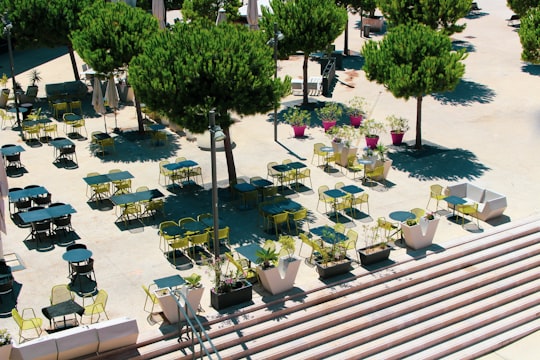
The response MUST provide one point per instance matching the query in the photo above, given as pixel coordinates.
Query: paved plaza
(486, 132)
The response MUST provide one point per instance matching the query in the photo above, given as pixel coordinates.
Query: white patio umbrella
(97, 100)
(111, 94)
(158, 10)
(253, 14)
(221, 16)
(3, 193)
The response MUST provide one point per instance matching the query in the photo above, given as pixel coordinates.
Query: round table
(77, 255)
(327, 150)
(401, 216)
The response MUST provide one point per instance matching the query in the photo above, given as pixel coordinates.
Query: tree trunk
(139, 115)
(346, 41)
(73, 62)
(305, 88)
(418, 144)
(231, 168)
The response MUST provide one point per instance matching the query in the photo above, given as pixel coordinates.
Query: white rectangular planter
(280, 278)
(420, 235)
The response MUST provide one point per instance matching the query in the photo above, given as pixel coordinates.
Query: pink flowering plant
(223, 281)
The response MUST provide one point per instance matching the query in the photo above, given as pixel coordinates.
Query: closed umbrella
(3, 193)
(253, 14)
(158, 10)
(111, 94)
(221, 16)
(97, 100)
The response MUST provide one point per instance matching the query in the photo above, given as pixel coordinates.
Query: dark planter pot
(328, 124)
(371, 141)
(374, 257)
(397, 137)
(299, 130)
(356, 121)
(234, 297)
(334, 269)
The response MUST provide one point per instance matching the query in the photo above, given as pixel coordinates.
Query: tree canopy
(308, 26)
(111, 34)
(207, 10)
(520, 7)
(529, 36)
(414, 60)
(186, 72)
(437, 14)
(45, 22)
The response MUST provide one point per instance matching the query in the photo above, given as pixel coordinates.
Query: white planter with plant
(356, 110)
(329, 114)
(6, 343)
(398, 126)
(299, 119)
(419, 234)
(280, 277)
(345, 142)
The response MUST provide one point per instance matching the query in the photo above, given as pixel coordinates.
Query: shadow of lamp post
(216, 134)
(278, 36)
(7, 32)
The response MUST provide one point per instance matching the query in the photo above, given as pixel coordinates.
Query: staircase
(463, 302)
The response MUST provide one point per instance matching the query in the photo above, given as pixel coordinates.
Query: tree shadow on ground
(476, 15)
(353, 62)
(461, 44)
(466, 93)
(26, 59)
(437, 163)
(531, 69)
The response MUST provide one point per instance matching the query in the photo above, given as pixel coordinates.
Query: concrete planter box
(234, 297)
(280, 278)
(420, 235)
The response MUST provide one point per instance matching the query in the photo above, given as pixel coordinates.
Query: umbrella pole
(116, 129)
(105, 123)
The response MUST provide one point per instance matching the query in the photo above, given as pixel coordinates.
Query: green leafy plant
(344, 133)
(193, 280)
(334, 253)
(223, 282)
(357, 106)
(331, 111)
(381, 151)
(267, 257)
(4, 80)
(287, 245)
(397, 124)
(371, 128)
(35, 77)
(298, 117)
(5, 337)
(372, 238)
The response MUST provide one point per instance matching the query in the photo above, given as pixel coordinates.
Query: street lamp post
(215, 135)
(7, 31)
(274, 41)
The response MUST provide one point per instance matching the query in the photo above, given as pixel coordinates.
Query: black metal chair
(67, 153)
(43, 200)
(62, 223)
(83, 278)
(75, 246)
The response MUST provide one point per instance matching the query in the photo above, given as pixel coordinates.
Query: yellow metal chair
(353, 166)
(154, 206)
(150, 296)
(340, 228)
(5, 118)
(299, 216)
(435, 193)
(109, 142)
(242, 267)
(388, 228)
(279, 219)
(178, 244)
(318, 153)
(61, 107)
(324, 198)
(376, 173)
(78, 125)
(305, 174)
(198, 240)
(121, 186)
(129, 211)
(60, 293)
(97, 307)
(164, 172)
(418, 213)
(75, 105)
(27, 323)
(468, 209)
(99, 191)
(359, 200)
(163, 237)
(51, 131)
(223, 234)
(350, 243)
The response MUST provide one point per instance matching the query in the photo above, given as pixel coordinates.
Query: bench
(513, 20)
(490, 203)
(79, 341)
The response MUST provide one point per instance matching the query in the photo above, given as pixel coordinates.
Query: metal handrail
(194, 327)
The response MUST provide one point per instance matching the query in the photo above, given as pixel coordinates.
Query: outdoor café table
(365, 162)
(335, 194)
(401, 216)
(156, 127)
(170, 282)
(292, 166)
(47, 213)
(101, 136)
(249, 252)
(137, 196)
(194, 227)
(454, 200)
(282, 206)
(261, 183)
(70, 119)
(244, 188)
(329, 235)
(105, 178)
(60, 143)
(62, 310)
(77, 255)
(22, 110)
(185, 164)
(209, 222)
(327, 150)
(11, 150)
(17, 195)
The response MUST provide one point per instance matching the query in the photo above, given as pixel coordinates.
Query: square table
(17, 195)
(292, 166)
(245, 188)
(335, 194)
(329, 235)
(454, 200)
(62, 310)
(174, 167)
(249, 252)
(11, 150)
(170, 282)
(137, 196)
(47, 213)
(194, 227)
(61, 143)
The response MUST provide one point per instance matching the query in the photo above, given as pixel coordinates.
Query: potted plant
(6, 343)
(356, 110)
(376, 249)
(229, 288)
(332, 260)
(299, 119)
(278, 277)
(5, 91)
(329, 114)
(343, 138)
(193, 281)
(371, 130)
(398, 126)
(420, 234)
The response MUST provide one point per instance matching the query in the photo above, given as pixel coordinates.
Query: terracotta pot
(328, 124)
(371, 141)
(299, 130)
(356, 121)
(397, 137)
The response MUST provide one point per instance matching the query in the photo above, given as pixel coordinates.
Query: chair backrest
(300, 214)
(75, 246)
(321, 191)
(204, 216)
(340, 228)
(317, 148)
(436, 190)
(286, 161)
(418, 212)
(185, 220)
(112, 171)
(17, 317)
(101, 298)
(223, 233)
(352, 235)
(166, 224)
(200, 238)
(281, 218)
(180, 159)
(152, 296)
(60, 293)
(142, 188)
(161, 164)
(339, 185)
